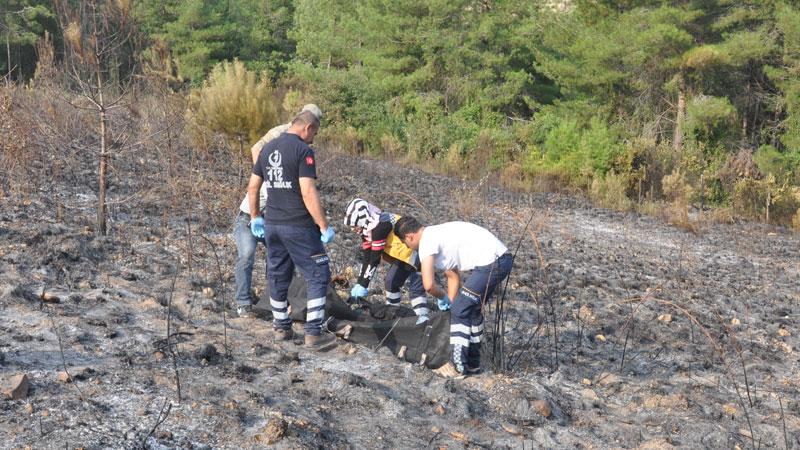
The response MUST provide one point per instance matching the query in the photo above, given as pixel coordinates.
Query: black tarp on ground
(377, 324)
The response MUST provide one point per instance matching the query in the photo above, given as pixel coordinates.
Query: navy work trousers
(466, 315)
(290, 246)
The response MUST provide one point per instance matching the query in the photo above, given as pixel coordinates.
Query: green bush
(711, 121)
(576, 154)
(610, 191)
(235, 102)
(781, 165)
(750, 200)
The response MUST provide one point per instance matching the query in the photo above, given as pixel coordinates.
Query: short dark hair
(405, 225)
(306, 118)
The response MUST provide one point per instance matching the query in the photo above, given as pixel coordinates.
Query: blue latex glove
(358, 291)
(444, 303)
(327, 235)
(257, 227)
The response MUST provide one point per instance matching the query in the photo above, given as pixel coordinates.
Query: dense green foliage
(22, 24)
(630, 98)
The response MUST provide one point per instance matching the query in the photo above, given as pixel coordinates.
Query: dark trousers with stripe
(290, 246)
(466, 315)
(396, 276)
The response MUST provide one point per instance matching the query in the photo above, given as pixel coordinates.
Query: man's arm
(253, 195)
(370, 259)
(428, 280)
(453, 283)
(308, 188)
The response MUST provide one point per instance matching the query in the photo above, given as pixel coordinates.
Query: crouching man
(378, 241)
(454, 247)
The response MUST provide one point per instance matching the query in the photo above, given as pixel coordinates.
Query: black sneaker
(245, 311)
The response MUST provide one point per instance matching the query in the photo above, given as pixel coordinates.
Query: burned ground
(619, 330)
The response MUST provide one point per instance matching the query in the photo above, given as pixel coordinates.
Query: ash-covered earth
(619, 330)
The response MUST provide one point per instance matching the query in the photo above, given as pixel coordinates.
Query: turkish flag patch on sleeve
(309, 160)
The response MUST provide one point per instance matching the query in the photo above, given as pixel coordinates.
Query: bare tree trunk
(8, 61)
(680, 114)
(101, 196)
(241, 161)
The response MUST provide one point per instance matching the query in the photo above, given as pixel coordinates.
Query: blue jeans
(290, 246)
(466, 316)
(246, 245)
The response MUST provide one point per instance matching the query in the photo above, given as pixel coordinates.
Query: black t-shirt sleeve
(307, 167)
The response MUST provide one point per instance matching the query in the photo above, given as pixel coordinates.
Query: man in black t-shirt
(294, 226)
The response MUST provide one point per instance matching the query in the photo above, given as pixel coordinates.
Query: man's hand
(257, 227)
(327, 235)
(444, 303)
(358, 291)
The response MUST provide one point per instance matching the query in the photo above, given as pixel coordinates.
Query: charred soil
(616, 330)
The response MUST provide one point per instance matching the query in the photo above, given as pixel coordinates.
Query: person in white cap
(246, 243)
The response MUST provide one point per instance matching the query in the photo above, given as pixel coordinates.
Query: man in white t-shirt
(454, 247)
(246, 243)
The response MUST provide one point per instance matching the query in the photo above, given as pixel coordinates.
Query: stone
(75, 374)
(208, 353)
(585, 314)
(16, 387)
(50, 298)
(542, 407)
(513, 429)
(607, 379)
(655, 444)
(275, 430)
(64, 377)
(674, 401)
(164, 435)
(730, 409)
(589, 394)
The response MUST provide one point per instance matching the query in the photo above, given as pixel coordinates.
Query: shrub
(711, 120)
(235, 102)
(749, 198)
(609, 191)
(676, 188)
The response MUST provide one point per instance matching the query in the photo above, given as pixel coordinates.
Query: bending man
(454, 247)
(378, 241)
